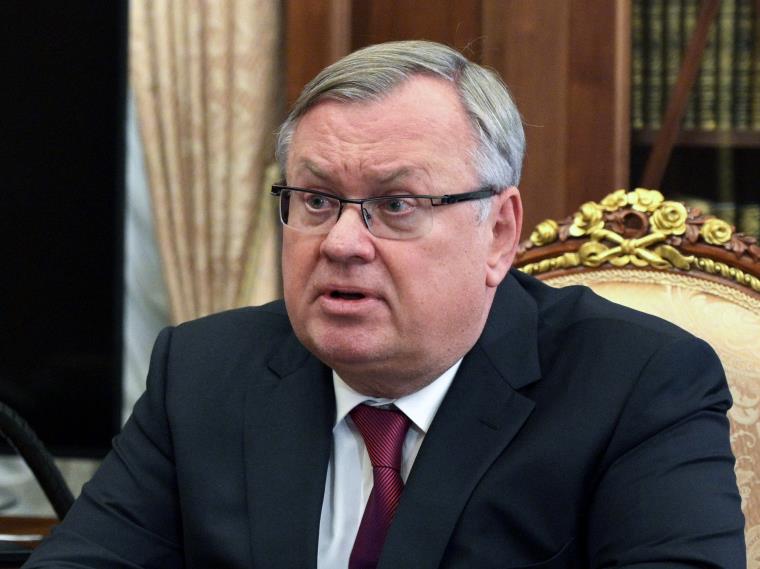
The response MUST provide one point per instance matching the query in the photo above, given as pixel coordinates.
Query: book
(743, 64)
(725, 73)
(689, 22)
(708, 83)
(673, 46)
(655, 30)
(637, 65)
(755, 80)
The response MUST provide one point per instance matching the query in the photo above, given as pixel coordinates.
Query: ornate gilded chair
(661, 257)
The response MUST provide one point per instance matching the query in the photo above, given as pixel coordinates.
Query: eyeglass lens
(387, 217)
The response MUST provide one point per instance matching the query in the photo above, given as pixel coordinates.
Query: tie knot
(383, 431)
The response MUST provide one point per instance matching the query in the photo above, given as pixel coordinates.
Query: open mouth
(346, 295)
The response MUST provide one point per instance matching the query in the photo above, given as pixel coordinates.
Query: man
(414, 403)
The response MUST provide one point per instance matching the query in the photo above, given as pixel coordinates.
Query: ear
(506, 223)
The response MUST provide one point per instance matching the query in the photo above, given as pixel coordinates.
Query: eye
(316, 202)
(398, 205)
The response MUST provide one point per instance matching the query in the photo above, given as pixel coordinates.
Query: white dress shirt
(349, 472)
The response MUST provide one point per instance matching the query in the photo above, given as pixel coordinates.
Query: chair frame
(641, 230)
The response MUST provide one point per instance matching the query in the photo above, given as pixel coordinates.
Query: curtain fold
(206, 79)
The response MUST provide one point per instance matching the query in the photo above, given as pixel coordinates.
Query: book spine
(637, 65)
(708, 83)
(655, 71)
(725, 87)
(755, 80)
(689, 14)
(742, 64)
(673, 42)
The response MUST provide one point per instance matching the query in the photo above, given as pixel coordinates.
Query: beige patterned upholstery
(714, 294)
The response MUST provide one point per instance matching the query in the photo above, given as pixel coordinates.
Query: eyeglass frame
(483, 192)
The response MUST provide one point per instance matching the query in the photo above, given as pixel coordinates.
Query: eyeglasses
(389, 217)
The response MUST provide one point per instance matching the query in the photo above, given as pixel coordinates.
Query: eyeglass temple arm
(486, 192)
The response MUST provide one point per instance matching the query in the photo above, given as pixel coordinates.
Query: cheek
(298, 260)
(434, 287)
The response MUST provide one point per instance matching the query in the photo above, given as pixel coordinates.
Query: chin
(341, 349)
(338, 352)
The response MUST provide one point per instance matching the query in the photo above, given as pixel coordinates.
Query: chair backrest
(667, 259)
(24, 440)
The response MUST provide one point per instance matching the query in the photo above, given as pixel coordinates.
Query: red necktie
(384, 431)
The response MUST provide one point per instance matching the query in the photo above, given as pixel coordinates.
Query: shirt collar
(420, 406)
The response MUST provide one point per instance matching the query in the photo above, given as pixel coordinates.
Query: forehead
(420, 124)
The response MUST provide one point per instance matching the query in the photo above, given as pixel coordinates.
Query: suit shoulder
(220, 349)
(253, 325)
(579, 308)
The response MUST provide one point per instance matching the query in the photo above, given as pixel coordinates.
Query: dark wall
(61, 207)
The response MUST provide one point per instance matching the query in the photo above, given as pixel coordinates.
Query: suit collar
(290, 409)
(510, 336)
(290, 356)
(480, 416)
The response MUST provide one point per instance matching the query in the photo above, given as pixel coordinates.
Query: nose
(349, 240)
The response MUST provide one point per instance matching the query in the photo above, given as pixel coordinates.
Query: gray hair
(370, 73)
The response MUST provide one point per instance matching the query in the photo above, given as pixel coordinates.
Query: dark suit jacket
(576, 434)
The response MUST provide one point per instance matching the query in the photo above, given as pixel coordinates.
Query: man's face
(390, 316)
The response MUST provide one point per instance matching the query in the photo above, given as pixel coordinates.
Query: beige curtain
(206, 78)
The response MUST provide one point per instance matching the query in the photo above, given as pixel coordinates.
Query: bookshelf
(701, 138)
(715, 163)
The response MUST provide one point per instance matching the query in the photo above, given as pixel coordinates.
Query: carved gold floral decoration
(588, 219)
(645, 200)
(615, 200)
(640, 228)
(545, 232)
(630, 251)
(716, 231)
(670, 218)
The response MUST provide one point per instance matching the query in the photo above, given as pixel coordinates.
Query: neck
(384, 388)
(391, 384)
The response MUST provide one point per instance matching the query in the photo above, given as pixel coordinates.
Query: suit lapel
(288, 435)
(481, 414)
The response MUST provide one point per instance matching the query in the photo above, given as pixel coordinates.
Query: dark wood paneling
(453, 22)
(527, 43)
(598, 105)
(317, 33)
(566, 62)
